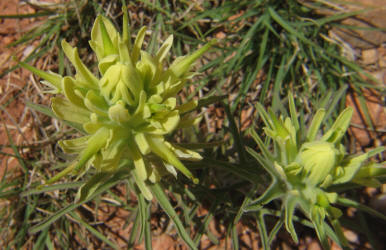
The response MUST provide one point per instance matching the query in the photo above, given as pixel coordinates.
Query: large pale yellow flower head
(128, 109)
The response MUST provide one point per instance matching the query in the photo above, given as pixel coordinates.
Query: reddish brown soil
(13, 85)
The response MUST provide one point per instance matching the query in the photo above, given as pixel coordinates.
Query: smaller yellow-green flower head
(128, 109)
(305, 163)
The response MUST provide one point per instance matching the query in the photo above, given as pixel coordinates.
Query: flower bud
(318, 160)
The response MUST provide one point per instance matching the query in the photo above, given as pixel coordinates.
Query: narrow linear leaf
(119, 176)
(167, 207)
(92, 230)
(263, 230)
(54, 187)
(289, 209)
(350, 203)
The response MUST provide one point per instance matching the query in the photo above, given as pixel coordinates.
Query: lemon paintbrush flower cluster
(305, 167)
(128, 110)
